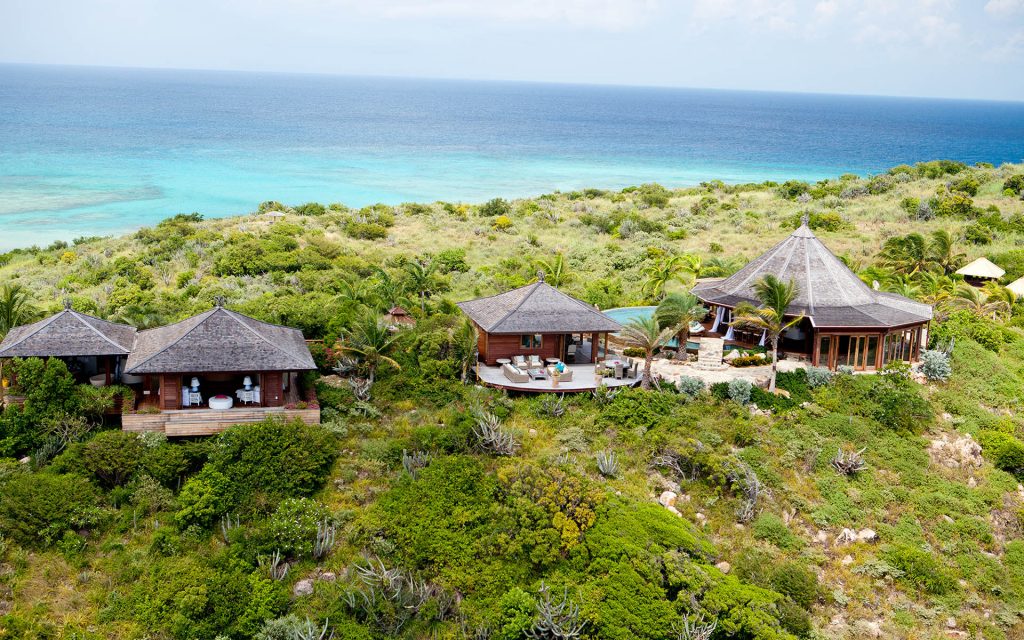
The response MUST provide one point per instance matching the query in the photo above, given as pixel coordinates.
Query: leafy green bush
(770, 528)
(495, 207)
(754, 360)
(920, 568)
(37, 509)
(1004, 450)
(292, 527)
(274, 459)
(636, 408)
(204, 498)
(794, 580)
(113, 456)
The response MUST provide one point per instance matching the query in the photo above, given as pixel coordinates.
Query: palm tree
(464, 343)
(997, 294)
(556, 272)
(935, 288)
(975, 301)
(679, 310)
(908, 253)
(139, 316)
(421, 279)
(370, 342)
(387, 290)
(942, 252)
(645, 334)
(677, 268)
(775, 297)
(14, 309)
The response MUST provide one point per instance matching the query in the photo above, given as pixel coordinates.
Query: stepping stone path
(709, 356)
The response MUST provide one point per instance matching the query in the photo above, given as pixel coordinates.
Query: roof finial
(540, 275)
(67, 303)
(805, 219)
(218, 302)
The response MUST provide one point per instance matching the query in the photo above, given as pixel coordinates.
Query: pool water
(622, 315)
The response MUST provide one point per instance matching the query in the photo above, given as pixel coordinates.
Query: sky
(971, 49)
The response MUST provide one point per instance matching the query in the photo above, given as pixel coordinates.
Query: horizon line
(335, 74)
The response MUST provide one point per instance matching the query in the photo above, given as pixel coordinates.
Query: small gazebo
(980, 271)
(845, 322)
(539, 320)
(219, 353)
(94, 349)
(397, 317)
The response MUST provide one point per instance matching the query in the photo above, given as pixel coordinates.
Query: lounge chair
(519, 362)
(514, 374)
(570, 353)
(565, 376)
(536, 362)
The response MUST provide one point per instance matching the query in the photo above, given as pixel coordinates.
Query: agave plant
(607, 464)
(492, 437)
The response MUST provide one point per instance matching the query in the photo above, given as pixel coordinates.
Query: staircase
(709, 356)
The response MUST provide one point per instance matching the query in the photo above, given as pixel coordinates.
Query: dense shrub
(38, 509)
(739, 390)
(1004, 450)
(274, 459)
(495, 207)
(635, 408)
(690, 387)
(113, 456)
(818, 377)
(292, 527)
(920, 568)
(770, 528)
(935, 365)
(204, 498)
(753, 360)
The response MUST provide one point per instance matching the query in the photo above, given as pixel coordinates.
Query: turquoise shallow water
(87, 151)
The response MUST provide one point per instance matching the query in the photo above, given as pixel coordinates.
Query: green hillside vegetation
(425, 507)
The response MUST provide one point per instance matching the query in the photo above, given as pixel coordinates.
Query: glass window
(871, 352)
(824, 348)
(530, 341)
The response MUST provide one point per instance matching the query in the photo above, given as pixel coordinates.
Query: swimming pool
(622, 315)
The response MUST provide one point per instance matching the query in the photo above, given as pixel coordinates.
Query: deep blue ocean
(92, 151)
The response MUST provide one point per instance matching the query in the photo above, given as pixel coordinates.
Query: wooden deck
(205, 422)
(582, 380)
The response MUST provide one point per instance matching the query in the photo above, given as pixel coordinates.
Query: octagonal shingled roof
(828, 292)
(537, 308)
(68, 334)
(219, 341)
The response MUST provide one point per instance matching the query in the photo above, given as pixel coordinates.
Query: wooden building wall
(272, 388)
(170, 391)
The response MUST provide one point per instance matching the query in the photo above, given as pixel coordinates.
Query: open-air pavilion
(980, 271)
(94, 349)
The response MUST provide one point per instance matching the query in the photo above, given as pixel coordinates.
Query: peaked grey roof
(68, 334)
(219, 340)
(536, 308)
(829, 293)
